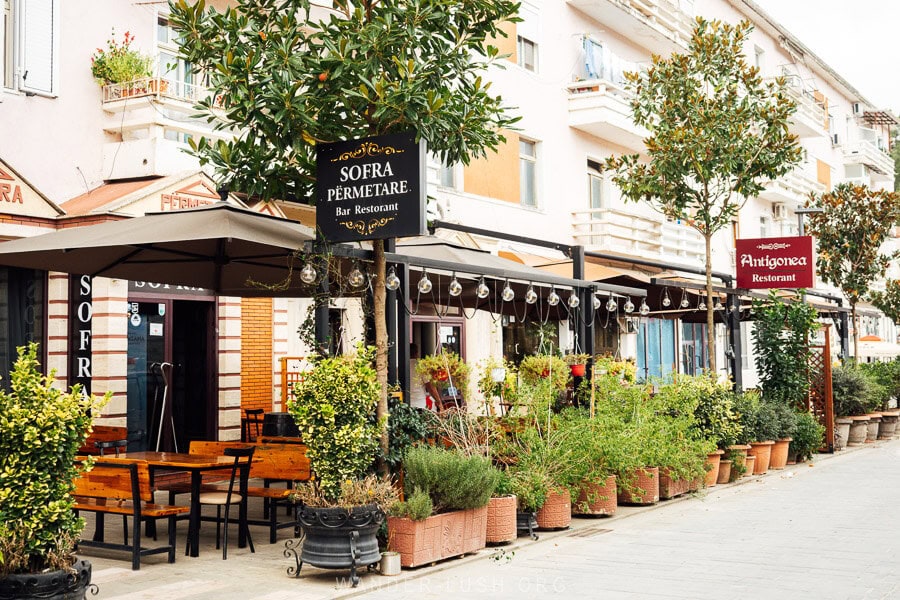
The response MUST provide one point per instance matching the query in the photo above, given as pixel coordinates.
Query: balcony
(603, 109)
(638, 235)
(879, 163)
(811, 118)
(661, 26)
(793, 189)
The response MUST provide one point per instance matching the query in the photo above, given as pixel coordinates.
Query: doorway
(171, 373)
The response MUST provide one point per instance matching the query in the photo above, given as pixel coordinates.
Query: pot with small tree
(807, 438)
(341, 509)
(41, 430)
(715, 419)
(853, 398)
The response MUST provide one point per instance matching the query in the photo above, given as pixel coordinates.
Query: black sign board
(371, 188)
(81, 313)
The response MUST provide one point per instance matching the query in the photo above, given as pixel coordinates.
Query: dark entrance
(171, 372)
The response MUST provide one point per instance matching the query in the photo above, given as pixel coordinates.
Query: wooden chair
(252, 421)
(240, 470)
(117, 445)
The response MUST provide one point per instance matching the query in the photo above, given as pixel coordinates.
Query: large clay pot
(888, 426)
(55, 585)
(437, 537)
(858, 430)
(763, 453)
(841, 432)
(669, 487)
(501, 520)
(598, 499)
(738, 453)
(872, 427)
(556, 513)
(644, 487)
(336, 538)
(749, 462)
(713, 460)
(779, 456)
(724, 475)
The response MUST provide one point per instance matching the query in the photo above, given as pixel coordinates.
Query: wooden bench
(102, 433)
(273, 463)
(121, 486)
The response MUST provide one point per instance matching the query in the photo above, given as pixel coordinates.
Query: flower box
(437, 537)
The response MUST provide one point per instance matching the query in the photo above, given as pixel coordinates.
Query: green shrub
(760, 420)
(530, 488)
(417, 507)
(852, 391)
(41, 430)
(537, 367)
(885, 380)
(715, 416)
(453, 480)
(406, 426)
(808, 435)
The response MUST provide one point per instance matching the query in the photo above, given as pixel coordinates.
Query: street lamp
(805, 211)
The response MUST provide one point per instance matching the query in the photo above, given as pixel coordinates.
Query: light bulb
(392, 282)
(455, 287)
(596, 302)
(356, 278)
(507, 294)
(645, 310)
(666, 301)
(574, 300)
(424, 286)
(701, 306)
(308, 274)
(629, 306)
(482, 290)
(530, 296)
(612, 305)
(685, 303)
(718, 305)
(553, 298)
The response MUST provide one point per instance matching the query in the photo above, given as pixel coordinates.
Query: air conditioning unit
(779, 211)
(835, 140)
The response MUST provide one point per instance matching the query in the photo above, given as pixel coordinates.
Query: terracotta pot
(724, 471)
(713, 460)
(779, 456)
(598, 499)
(437, 537)
(556, 513)
(577, 370)
(763, 453)
(872, 427)
(670, 487)
(501, 520)
(858, 430)
(841, 432)
(644, 484)
(888, 427)
(750, 462)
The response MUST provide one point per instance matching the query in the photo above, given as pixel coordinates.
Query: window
(178, 72)
(29, 41)
(447, 176)
(527, 53)
(759, 58)
(763, 227)
(595, 185)
(527, 173)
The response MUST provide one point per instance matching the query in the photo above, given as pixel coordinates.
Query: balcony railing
(793, 188)
(158, 87)
(629, 233)
(661, 26)
(603, 109)
(811, 118)
(867, 153)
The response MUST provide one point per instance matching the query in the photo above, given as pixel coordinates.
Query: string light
(482, 290)
(424, 286)
(507, 294)
(702, 305)
(574, 300)
(612, 305)
(392, 282)
(455, 287)
(553, 298)
(718, 305)
(666, 301)
(645, 310)
(629, 306)
(530, 296)
(596, 302)
(684, 300)
(356, 278)
(308, 274)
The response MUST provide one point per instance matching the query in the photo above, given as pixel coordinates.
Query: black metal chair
(117, 445)
(240, 471)
(252, 421)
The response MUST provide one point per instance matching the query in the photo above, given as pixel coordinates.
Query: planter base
(526, 524)
(56, 585)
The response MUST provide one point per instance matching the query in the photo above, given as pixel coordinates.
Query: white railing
(796, 186)
(666, 15)
(158, 87)
(867, 153)
(629, 233)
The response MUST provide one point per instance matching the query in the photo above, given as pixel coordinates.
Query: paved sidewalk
(822, 531)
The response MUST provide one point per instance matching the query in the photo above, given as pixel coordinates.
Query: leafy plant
(443, 371)
(852, 391)
(609, 366)
(418, 506)
(718, 133)
(885, 378)
(576, 359)
(41, 430)
(537, 367)
(808, 435)
(888, 301)
(715, 415)
(407, 425)
(353, 492)
(759, 419)
(119, 63)
(331, 406)
(453, 480)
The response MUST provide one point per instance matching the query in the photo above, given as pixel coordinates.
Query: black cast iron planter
(526, 524)
(335, 538)
(55, 585)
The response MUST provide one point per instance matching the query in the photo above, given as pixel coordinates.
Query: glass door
(147, 356)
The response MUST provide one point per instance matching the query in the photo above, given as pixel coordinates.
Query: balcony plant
(41, 430)
(445, 376)
(119, 62)
(332, 406)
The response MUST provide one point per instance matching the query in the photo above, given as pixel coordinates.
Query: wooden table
(196, 464)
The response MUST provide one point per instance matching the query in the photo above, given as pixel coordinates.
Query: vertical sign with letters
(81, 312)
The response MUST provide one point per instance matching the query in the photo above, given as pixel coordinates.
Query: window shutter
(38, 20)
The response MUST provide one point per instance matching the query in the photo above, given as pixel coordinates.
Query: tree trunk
(854, 324)
(710, 320)
(381, 345)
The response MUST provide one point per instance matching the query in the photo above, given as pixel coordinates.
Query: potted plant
(120, 63)
(853, 398)
(577, 363)
(501, 514)
(41, 430)
(341, 510)
(495, 383)
(807, 438)
(446, 377)
(537, 367)
(786, 418)
(715, 419)
(447, 491)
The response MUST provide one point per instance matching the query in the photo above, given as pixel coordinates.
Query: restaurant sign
(371, 188)
(784, 262)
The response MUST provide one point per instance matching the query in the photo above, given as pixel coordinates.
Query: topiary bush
(808, 435)
(41, 430)
(453, 480)
(852, 391)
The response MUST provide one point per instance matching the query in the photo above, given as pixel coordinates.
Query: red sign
(785, 262)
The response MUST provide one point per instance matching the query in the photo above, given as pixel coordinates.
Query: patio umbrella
(217, 247)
